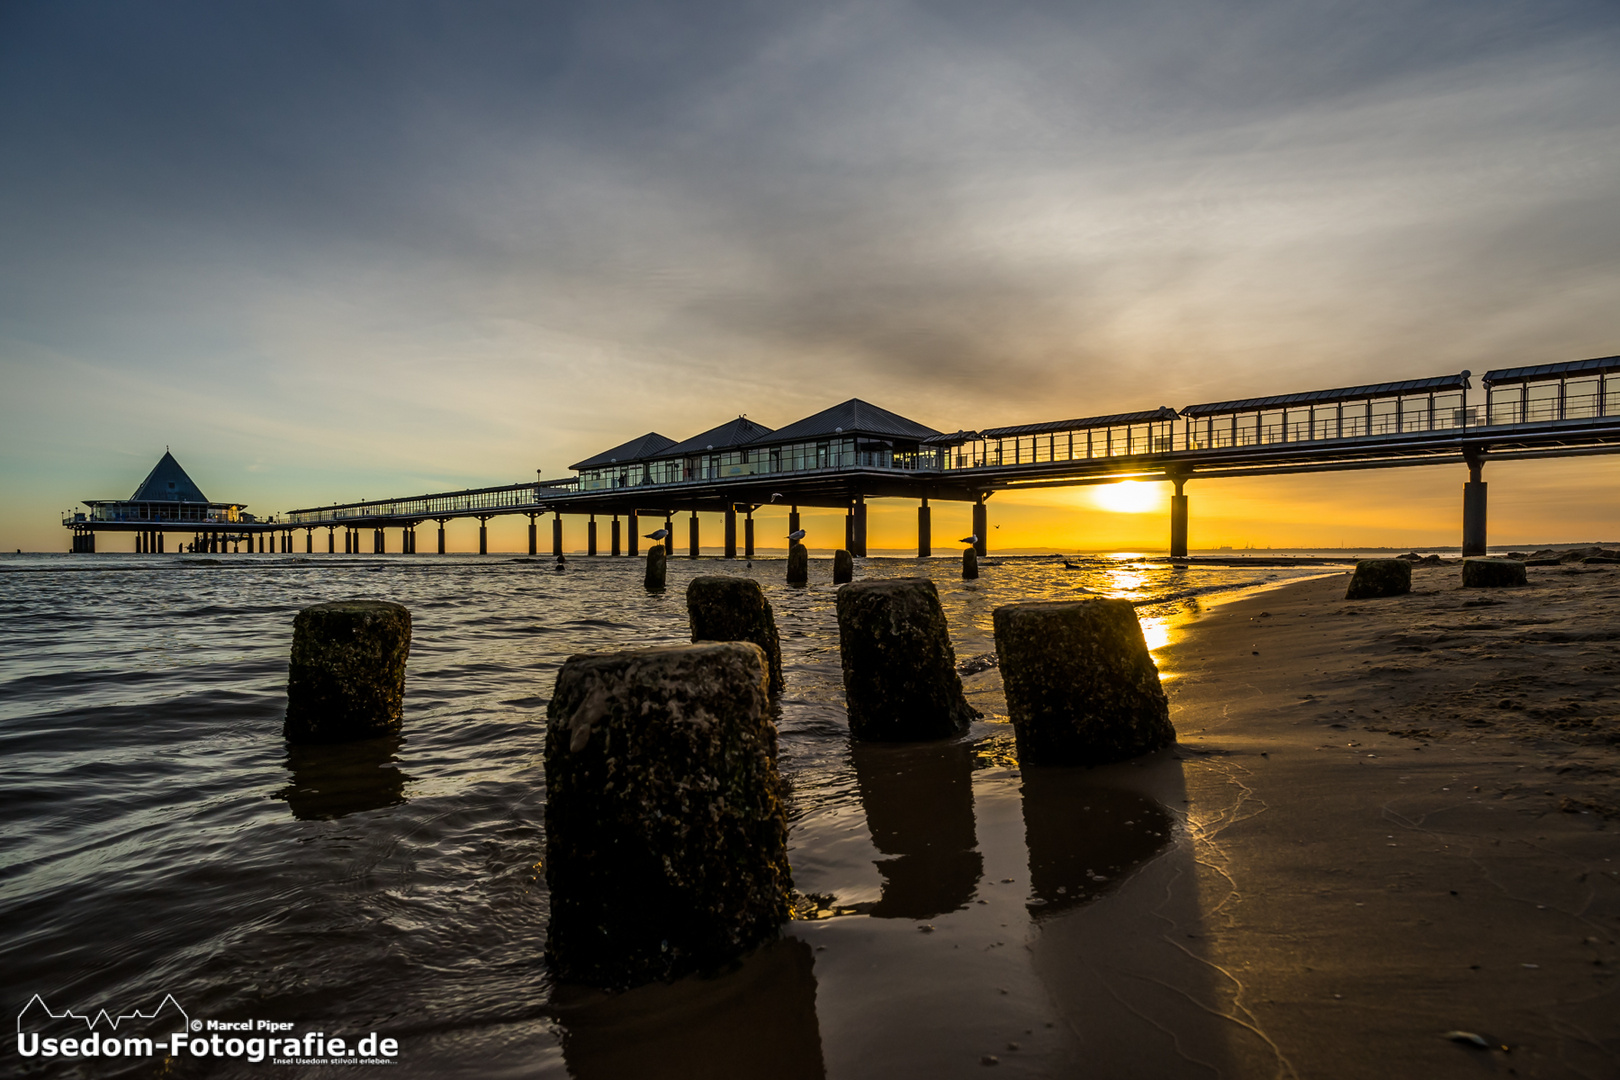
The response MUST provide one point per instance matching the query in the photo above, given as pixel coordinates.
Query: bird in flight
(775, 495)
(969, 540)
(657, 535)
(796, 535)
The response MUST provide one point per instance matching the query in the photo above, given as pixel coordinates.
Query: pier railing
(448, 504)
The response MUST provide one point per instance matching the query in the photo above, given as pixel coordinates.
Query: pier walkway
(855, 451)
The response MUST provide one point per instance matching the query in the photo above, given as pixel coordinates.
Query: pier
(854, 452)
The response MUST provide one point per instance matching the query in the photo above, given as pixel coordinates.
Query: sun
(1127, 497)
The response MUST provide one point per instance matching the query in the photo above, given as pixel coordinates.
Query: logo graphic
(166, 1030)
(140, 1033)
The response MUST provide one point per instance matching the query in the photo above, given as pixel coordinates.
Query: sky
(342, 250)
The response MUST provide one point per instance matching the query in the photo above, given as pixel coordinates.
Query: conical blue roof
(168, 482)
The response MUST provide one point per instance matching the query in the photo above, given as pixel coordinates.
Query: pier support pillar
(617, 538)
(556, 536)
(849, 528)
(590, 536)
(483, 536)
(632, 528)
(441, 536)
(925, 530)
(331, 540)
(534, 535)
(793, 520)
(692, 537)
(1178, 520)
(981, 528)
(309, 541)
(748, 537)
(669, 535)
(160, 542)
(731, 531)
(1473, 538)
(859, 550)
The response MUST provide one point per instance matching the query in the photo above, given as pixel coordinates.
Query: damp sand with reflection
(165, 839)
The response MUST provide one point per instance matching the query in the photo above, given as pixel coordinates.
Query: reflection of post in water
(918, 799)
(756, 1020)
(1082, 837)
(331, 780)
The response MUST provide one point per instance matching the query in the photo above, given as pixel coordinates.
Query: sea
(167, 854)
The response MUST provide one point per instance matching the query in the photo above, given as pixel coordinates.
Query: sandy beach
(1403, 821)
(1386, 823)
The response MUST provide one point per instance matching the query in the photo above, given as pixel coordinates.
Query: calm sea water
(162, 838)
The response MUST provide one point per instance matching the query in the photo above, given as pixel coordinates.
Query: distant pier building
(167, 500)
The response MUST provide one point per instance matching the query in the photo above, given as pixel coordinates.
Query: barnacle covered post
(900, 679)
(346, 678)
(735, 609)
(1082, 688)
(657, 567)
(1379, 577)
(666, 837)
(798, 564)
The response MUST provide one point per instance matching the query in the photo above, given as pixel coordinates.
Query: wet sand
(1385, 821)
(1403, 817)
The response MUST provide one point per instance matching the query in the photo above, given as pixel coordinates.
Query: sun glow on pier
(1127, 497)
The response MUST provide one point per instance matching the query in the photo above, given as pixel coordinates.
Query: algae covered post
(657, 567)
(346, 678)
(735, 609)
(900, 679)
(666, 837)
(1485, 573)
(843, 567)
(1379, 577)
(1082, 688)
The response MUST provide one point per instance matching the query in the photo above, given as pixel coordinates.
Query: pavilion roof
(852, 417)
(168, 482)
(637, 449)
(731, 433)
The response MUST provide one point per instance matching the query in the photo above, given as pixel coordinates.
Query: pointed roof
(853, 417)
(168, 482)
(635, 450)
(731, 433)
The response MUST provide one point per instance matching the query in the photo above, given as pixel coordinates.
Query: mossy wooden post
(798, 567)
(843, 567)
(900, 679)
(346, 679)
(1493, 573)
(657, 566)
(970, 564)
(1082, 688)
(1380, 577)
(666, 837)
(735, 609)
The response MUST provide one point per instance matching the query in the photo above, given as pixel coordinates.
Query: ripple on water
(163, 838)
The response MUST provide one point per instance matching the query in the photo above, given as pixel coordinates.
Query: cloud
(470, 240)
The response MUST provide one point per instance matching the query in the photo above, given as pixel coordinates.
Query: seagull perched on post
(657, 535)
(969, 540)
(796, 535)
